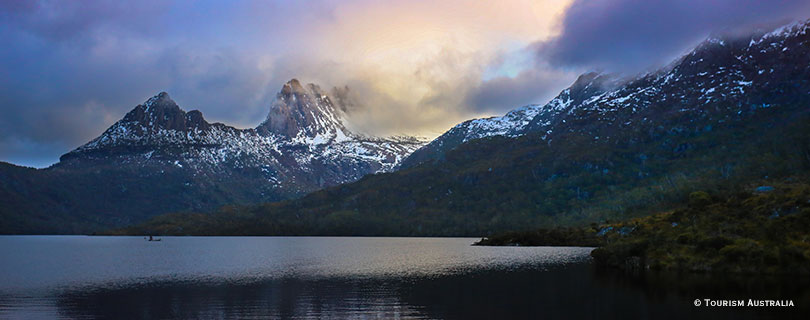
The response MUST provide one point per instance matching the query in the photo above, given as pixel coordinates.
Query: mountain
(721, 69)
(515, 122)
(302, 145)
(731, 114)
(159, 158)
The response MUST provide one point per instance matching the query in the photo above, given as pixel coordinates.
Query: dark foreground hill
(763, 229)
(734, 110)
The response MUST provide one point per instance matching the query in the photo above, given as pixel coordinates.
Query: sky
(70, 69)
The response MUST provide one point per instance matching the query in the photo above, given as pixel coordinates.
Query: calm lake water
(80, 277)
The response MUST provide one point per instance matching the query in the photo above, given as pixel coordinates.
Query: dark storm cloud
(626, 36)
(46, 74)
(73, 20)
(69, 69)
(501, 94)
(629, 35)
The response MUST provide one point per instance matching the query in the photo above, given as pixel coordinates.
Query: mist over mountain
(728, 115)
(722, 68)
(159, 158)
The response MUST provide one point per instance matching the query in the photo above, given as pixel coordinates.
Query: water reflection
(567, 292)
(367, 278)
(290, 298)
(680, 289)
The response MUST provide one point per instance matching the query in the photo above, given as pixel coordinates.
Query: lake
(82, 277)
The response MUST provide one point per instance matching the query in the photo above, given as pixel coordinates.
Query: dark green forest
(741, 232)
(98, 195)
(764, 229)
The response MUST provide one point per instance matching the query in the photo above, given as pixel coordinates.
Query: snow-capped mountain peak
(733, 75)
(161, 112)
(305, 115)
(303, 145)
(518, 121)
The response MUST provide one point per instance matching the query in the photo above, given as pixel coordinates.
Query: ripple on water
(70, 276)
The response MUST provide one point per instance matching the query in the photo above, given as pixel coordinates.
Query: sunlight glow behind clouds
(413, 64)
(71, 68)
(422, 58)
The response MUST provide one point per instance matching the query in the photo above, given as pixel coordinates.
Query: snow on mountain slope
(305, 115)
(303, 144)
(515, 122)
(721, 70)
(723, 78)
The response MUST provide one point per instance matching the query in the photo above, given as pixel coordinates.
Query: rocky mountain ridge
(159, 158)
(721, 68)
(303, 140)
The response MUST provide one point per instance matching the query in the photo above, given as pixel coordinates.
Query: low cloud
(530, 86)
(631, 35)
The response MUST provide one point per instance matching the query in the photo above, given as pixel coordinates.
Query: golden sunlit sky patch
(422, 58)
